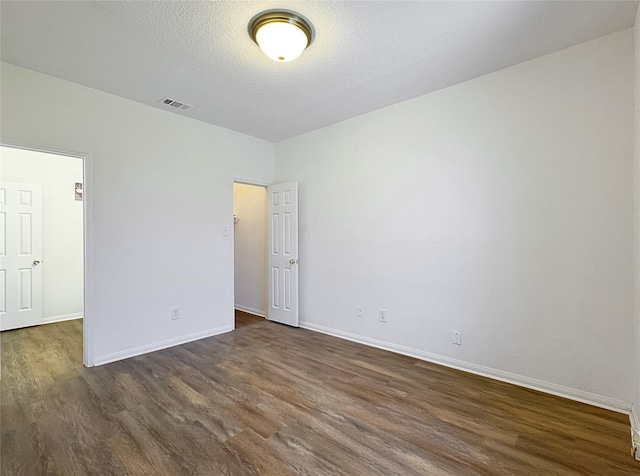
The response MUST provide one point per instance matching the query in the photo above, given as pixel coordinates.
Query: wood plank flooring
(272, 400)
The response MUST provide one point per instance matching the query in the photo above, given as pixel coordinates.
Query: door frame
(232, 234)
(87, 211)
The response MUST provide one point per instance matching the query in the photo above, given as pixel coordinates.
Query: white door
(283, 253)
(20, 255)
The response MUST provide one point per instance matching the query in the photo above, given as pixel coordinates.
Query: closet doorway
(250, 248)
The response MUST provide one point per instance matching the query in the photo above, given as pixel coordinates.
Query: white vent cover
(167, 101)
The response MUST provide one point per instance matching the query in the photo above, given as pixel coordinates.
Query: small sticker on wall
(78, 191)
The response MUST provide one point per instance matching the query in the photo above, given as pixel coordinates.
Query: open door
(282, 261)
(20, 255)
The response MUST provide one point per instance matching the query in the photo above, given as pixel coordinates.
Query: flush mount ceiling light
(282, 36)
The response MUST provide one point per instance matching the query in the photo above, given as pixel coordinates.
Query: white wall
(62, 259)
(250, 251)
(500, 207)
(636, 215)
(162, 190)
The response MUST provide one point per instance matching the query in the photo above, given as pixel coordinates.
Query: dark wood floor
(268, 399)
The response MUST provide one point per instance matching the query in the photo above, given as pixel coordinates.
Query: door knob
(293, 261)
(36, 262)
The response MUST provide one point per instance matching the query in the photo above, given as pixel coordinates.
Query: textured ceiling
(366, 54)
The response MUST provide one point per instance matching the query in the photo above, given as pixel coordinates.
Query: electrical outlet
(382, 315)
(359, 311)
(175, 313)
(457, 338)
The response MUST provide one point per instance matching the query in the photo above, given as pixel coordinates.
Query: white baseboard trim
(64, 317)
(250, 310)
(145, 349)
(634, 417)
(635, 432)
(508, 377)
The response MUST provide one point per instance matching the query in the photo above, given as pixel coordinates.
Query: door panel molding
(21, 211)
(282, 260)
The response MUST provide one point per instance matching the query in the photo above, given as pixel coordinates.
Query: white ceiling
(366, 54)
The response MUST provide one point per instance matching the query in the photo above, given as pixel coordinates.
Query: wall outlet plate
(457, 338)
(382, 315)
(175, 313)
(359, 311)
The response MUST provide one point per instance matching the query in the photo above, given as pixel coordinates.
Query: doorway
(250, 248)
(265, 251)
(42, 241)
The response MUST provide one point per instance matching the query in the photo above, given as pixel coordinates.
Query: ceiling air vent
(167, 101)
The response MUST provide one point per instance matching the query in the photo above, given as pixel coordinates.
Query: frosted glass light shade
(281, 41)
(282, 36)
